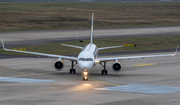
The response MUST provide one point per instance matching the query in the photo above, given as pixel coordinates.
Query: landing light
(85, 73)
(97, 61)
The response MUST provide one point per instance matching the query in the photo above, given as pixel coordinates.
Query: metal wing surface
(42, 54)
(132, 57)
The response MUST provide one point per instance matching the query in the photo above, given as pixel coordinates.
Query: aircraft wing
(132, 57)
(42, 54)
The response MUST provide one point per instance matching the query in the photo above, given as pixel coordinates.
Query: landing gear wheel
(104, 72)
(72, 71)
(85, 78)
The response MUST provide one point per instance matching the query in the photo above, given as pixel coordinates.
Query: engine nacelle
(59, 65)
(117, 67)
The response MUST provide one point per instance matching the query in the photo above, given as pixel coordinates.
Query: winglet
(3, 44)
(176, 50)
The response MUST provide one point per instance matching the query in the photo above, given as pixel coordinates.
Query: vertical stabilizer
(92, 29)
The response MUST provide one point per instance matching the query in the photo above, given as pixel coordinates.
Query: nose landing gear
(85, 78)
(85, 75)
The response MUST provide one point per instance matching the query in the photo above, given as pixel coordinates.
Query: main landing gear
(72, 70)
(104, 71)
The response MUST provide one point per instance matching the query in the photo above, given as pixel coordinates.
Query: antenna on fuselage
(92, 29)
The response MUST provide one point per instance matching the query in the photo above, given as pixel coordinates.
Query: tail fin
(92, 29)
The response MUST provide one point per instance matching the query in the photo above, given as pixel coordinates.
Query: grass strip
(55, 16)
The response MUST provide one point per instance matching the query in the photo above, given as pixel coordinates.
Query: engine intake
(117, 67)
(59, 65)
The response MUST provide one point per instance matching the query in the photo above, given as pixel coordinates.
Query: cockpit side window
(91, 59)
(83, 59)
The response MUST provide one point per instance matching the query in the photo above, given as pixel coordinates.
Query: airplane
(88, 57)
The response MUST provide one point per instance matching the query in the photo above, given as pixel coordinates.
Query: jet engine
(117, 67)
(59, 64)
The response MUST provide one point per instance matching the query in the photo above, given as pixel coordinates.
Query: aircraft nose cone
(85, 65)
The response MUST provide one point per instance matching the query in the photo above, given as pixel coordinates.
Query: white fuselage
(86, 58)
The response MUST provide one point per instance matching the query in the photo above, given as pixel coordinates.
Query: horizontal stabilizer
(102, 48)
(72, 46)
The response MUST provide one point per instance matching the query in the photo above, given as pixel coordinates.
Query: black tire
(85, 79)
(70, 71)
(74, 71)
(106, 72)
(102, 72)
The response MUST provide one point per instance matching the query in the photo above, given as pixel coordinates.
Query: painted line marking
(145, 64)
(140, 88)
(177, 93)
(150, 64)
(27, 75)
(34, 74)
(24, 80)
(107, 83)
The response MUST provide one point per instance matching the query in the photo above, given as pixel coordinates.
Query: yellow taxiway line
(145, 64)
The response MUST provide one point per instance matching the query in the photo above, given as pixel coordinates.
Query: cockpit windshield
(85, 59)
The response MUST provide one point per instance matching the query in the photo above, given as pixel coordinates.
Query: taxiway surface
(24, 38)
(34, 81)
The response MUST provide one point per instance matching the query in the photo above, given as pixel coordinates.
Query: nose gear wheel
(85, 78)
